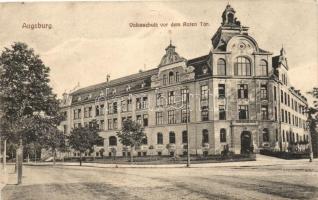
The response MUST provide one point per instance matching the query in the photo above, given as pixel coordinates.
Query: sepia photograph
(159, 100)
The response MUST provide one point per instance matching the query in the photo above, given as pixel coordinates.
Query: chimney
(107, 77)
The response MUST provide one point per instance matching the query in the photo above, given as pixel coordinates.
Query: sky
(89, 40)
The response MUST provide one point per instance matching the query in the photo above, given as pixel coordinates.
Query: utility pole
(311, 155)
(188, 135)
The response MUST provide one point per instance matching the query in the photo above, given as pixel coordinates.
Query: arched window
(184, 137)
(265, 135)
(159, 138)
(221, 67)
(242, 66)
(297, 137)
(205, 136)
(177, 77)
(164, 79)
(263, 68)
(112, 141)
(223, 135)
(171, 76)
(172, 138)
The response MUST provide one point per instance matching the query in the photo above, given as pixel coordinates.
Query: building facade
(237, 96)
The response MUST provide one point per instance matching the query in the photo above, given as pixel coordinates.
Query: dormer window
(90, 96)
(79, 98)
(101, 93)
(221, 67)
(177, 77)
(143, 84)
(114, 91)
(205, 69)
(128, 88)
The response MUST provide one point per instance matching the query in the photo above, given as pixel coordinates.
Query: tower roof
(171, 56)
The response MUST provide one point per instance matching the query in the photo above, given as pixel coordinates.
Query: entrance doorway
(246, 142)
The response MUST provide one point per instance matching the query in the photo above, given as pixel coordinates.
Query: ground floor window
(205, 153)
(159, 153)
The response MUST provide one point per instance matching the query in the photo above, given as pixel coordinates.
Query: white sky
(89, 40)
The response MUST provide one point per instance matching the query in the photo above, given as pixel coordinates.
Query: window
(110, 108)
(204, 93)
(275, 113)
(144, 104)
(265, 135)
(184, 137)
(243, 112)
(77, 113)
(264, 112)
(159, 118)
(86, 112)
(263, 68)
(185, 115)
(242, 67)
(129, 105)
(138, 103)
(171, 77)
(282, 115)
(222, 91)
(185, 96)
(97, 113)
(288, 100)
(223, 135)
(102, 124)
(145, 120)
(110, 124)
(101, 109)
(171, 117)
(222, 114)
(171, 99)
(283, 136)
(204, 113)
(177, 77)
(159, 99)
(115, 107)
(115, 125)
(138, 119)
(172, 138)
(285, 95)
(123, 105)
(205, 136)
(242, 91)
(221, 67)
(164, 79)
(281, 96)
(275, 95)
(112, 141)
(264, 91)
(159, 138)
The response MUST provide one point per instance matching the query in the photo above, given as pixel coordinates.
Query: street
(277, 180)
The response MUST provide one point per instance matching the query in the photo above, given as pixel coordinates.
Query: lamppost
(311, 155)
(187, 120)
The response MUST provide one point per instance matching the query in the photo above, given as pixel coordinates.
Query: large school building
(237, 96)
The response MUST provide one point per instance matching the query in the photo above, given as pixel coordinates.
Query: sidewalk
(261, 160)
(4, 177)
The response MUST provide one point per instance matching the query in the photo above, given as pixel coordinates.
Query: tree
(131, 134)
(83, 139)
(25, 93)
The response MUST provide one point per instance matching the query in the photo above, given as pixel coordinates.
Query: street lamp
(187, 120)
(311, 155)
